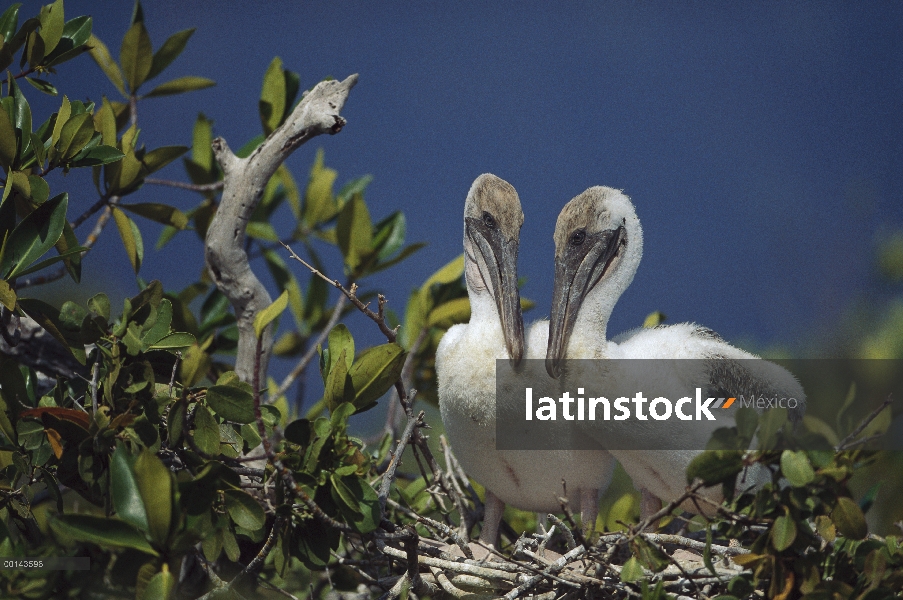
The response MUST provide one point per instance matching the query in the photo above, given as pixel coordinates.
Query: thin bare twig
(847, 442)
(175, 366)
(254, 567)
(312, 351)
(351, 294)
(389, 475)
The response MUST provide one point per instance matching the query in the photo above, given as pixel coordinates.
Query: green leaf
(206, 433)
(354, 231)
(161, 213)
(21, 116)
(848, 518)
(98, 155)
(52, 23)
(169, 51)
(78, 30)
(52, 260)
(632, 570)
(202, 137)
(161, 586)
(174, 340)
(715, 466)
(244, 510)
(189, 83)
(35, 235)
(100, 305)
(262, 231)
(338, 386)
(343, 495)
(450, 272)
(76, 133)
(102, 531)
(783, 532)
(450, 313)
(136, 55)
(155, 484)
(62, 117)
(650, 555)
(42, 86)
(796, 468)
(374, 372)
(131, 238)
(390, 235)
(267, 315)
(231, 403)
(101, 55)
(127, 501)
(8, 21)
(8, 146)
(340, 339)
(160, 157)
(272, 96)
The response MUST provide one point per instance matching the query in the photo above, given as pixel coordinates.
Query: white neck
(483, 309)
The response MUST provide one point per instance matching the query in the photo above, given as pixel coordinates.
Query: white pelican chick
(466, 369)
(598, 247)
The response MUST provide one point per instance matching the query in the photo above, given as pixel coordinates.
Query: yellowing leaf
(796, 468)
(189, 83)
(131, 238)
(654, 319)
(52, 23)
(267, 315)
(450, 272)
(136, 55)
(319, 203)
(450, 313)
(155, 484)
(272, 96)
(101, 55)
(7, 295)
(354, 231)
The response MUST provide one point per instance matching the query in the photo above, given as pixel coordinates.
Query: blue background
(760, 143)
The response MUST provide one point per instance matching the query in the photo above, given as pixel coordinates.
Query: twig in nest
(389, 475)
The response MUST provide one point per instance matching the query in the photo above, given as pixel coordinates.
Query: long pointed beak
(577, 271)
(507, 300)
(500, 257)
(565, 307)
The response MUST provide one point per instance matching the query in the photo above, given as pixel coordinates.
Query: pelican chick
(598, 247)
(466, 370)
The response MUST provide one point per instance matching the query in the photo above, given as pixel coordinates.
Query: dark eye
(488, 221)
(578, 237)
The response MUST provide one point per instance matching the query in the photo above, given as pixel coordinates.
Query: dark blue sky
(761, 143)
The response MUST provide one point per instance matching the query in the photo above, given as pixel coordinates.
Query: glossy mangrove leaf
(34, 235)
(169, 51)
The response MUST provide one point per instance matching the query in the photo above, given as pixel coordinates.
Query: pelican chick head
(492, 222)
(598, 246)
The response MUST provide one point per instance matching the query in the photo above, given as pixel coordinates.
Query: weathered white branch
(243, 185)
